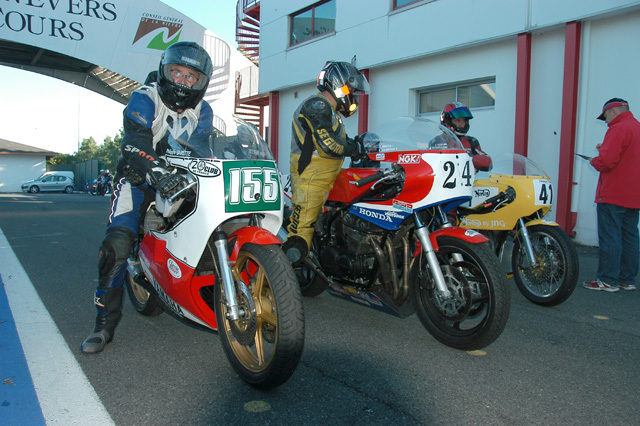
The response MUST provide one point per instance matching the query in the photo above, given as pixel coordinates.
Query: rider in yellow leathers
(319, 144)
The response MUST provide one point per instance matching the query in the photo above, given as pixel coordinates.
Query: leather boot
(109, 305)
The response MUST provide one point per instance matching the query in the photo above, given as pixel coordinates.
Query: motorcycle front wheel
(555, 276)
(264, 346)
(478, 309)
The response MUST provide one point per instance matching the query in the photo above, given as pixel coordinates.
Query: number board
(543, 191)
(251, 186)
(456, 176)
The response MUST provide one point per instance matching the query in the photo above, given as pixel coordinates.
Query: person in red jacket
(618, 199)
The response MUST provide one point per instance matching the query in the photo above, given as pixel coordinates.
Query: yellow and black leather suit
(319, 144)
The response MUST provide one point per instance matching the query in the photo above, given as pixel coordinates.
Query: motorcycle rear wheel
(265, 346)
(144, 302)
(554, 279)
(478, 311)
(311, 283)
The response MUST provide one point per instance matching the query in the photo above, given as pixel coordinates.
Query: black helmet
(344, 82)
(456, 110)
(188, 54)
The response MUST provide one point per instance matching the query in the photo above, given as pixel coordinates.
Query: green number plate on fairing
(251, 186)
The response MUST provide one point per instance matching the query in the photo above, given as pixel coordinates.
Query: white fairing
(227, 190)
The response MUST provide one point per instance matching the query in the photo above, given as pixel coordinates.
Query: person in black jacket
(167, 116)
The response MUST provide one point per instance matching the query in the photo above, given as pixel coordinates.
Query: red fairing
(173, 276)
(251, 234)
(344, 188)
(419, 178)
(453, 231)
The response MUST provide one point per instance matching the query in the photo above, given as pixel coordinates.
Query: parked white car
(51, 181)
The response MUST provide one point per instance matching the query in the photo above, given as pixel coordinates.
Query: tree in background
(106, 153)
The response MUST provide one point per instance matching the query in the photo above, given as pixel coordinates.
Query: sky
(52, 114)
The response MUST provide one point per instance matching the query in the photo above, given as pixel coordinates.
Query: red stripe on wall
(568, 129)
(274, 118)
(523, 81)
(363, 109)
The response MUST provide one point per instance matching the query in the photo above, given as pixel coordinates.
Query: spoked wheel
(264, 346)
(478, 310)
(555, 276)
(144, 302)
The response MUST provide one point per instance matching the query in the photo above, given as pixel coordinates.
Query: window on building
(474, 94)
(400, 3)
(314, 21)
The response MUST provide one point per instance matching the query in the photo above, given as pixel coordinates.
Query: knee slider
(116, 246)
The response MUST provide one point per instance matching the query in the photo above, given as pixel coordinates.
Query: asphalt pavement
(573, 364)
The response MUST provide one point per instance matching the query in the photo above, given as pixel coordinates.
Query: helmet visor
(358, 83)
(461, 112)
(185, 76)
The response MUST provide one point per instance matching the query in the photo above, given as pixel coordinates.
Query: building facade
(535, 74)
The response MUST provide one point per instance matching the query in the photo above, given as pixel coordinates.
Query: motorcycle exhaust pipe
(135, 270)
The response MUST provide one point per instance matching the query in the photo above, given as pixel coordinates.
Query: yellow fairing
(527, 202)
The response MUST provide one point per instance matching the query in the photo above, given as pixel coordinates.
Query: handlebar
(176, 196)
(491, 204)
(377, 175)
(395, 172)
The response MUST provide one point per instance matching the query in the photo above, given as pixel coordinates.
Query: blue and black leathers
(151, 131)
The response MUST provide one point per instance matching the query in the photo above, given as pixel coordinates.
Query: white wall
(547, 73)
(442, 42)
(609, 68)
(17, 169)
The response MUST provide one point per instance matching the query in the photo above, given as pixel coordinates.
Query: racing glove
(167, 183)
(356, 149)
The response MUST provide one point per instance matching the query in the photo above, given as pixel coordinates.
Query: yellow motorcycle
(508, 206)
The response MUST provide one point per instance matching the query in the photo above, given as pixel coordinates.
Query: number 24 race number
(451, 181)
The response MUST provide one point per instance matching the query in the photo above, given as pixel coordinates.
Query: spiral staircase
(249, 104)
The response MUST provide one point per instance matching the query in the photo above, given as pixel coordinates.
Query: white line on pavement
(66, 396)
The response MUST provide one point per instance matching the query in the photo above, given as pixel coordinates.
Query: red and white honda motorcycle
(214, 260)
(384, 240)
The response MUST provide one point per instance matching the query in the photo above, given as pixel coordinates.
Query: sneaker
(627, 286)
(600, 285)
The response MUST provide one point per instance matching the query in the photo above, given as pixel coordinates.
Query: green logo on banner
(251, 186)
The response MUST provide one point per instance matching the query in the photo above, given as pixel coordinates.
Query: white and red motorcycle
(214, 259)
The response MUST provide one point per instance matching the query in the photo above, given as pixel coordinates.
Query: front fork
(220, 241)
(231, 300)
(422, 232)
(528, 247)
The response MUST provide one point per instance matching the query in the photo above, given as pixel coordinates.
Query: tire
(34, 189)
(144, 302)
(479, 309)
(265, 346)
(311, 284)
(68, 190)
(554, 279)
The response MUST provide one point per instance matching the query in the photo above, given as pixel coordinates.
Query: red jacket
(619, 163)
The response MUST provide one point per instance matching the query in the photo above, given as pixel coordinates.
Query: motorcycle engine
(350, 253)
(153, 221)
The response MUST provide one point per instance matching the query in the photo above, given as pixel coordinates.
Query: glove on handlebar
(356, 150)
(166, 183)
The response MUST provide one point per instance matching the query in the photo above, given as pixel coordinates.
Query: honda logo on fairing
(409, 159)
(375, 215)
